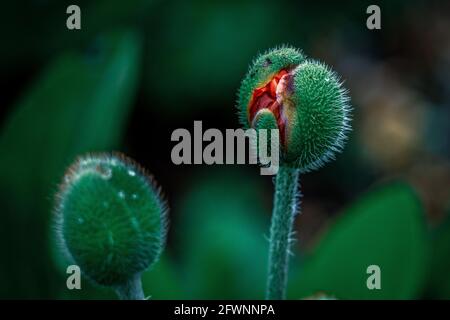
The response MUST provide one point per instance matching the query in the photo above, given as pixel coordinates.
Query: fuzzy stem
(286, 189)
(131, 290)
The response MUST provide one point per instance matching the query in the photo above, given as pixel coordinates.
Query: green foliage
(110, 218)
(385, 227)
(79, 104)
(222, 227)
(215, 50)
(439, 281)
(42, 32)
(163, 281)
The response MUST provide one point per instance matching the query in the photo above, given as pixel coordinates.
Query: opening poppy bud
(307, 101)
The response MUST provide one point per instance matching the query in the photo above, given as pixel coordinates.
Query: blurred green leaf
(181, 69)
(79, 104)
(439, 281)
(162, 281)
(221, 229)
(42, 32)
(385, 227)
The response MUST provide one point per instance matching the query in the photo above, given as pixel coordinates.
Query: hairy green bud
(308, 103)
(110, 219)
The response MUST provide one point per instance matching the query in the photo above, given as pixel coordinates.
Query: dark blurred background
(139, 69)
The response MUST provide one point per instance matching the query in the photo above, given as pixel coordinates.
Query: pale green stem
(286, 194)
(131, 290)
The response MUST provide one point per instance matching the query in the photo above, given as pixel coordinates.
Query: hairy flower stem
(286, 189)
(131, 290)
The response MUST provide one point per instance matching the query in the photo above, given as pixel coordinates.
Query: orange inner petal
(265, 97)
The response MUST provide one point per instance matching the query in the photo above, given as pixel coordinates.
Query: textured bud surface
(110, 218)
(307, 101)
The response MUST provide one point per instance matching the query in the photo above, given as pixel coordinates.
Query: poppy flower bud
(110, 218)
(306, 100)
